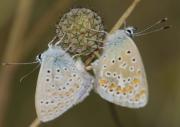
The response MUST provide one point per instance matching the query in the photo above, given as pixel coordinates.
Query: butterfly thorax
(118, 37)
(52, 53)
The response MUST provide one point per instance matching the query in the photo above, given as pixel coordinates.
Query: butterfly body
(62, 83)
(120, 74)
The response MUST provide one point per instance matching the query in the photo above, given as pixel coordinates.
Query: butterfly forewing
(60, 85)
(120, 75)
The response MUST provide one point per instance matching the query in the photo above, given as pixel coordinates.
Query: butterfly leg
(51, 42)
(58, 42)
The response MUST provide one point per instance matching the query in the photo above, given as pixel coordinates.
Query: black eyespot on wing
(128, 51)
(47, 80)
(113, 61)
(48, 71)
(119, 58)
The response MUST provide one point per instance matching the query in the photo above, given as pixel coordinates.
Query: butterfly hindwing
(60, 85)
(120, 74)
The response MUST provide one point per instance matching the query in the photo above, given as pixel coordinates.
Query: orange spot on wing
(140, 94)
(113, 86)
(102, 82)
(119, 89)
(128, 88)
(136, 81)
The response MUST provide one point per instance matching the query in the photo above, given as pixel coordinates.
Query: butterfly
(62, 83)
(120, 74)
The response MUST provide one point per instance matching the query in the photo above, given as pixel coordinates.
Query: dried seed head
(80, 27)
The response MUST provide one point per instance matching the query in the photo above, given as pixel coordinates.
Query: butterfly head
(130, 31)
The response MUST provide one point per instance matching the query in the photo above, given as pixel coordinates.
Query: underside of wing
(120, 75)
(60, 86)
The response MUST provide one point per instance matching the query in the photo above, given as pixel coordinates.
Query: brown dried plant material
(81, 28)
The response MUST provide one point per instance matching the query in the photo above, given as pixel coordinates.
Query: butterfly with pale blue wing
(120, 75)
(119, 72)
(62, 83)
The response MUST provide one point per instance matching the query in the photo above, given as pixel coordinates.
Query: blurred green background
(23, 41)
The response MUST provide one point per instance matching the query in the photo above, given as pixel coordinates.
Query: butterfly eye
(39, 57)
(129, 31)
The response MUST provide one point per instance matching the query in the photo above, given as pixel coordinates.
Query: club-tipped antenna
(156, 30)
(26, 75)
(14, 63)
(151, 26)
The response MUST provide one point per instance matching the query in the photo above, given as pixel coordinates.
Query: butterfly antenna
(26, 75)
(156, 30)
(153, 25)
(6, 64)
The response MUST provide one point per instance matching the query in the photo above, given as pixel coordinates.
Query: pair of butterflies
(119, 77)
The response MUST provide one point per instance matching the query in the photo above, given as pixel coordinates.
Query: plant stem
(125, 15)
(114, 114)
(35, 123)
